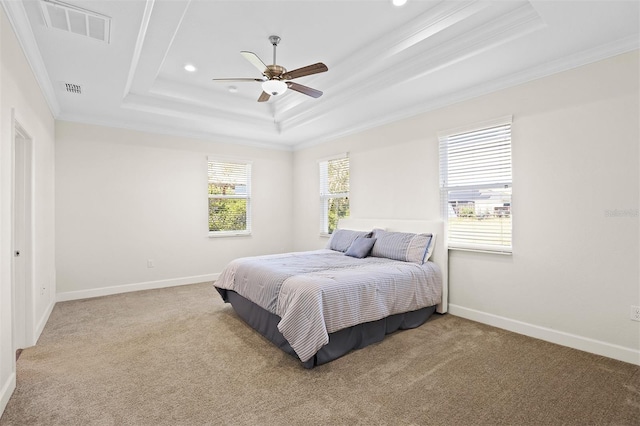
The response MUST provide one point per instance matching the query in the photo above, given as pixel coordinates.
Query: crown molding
(232, 106)
(442, 16)
(502, 29)
(171, 107)
(174, 131)
(19, 21)
(564, 64)
(407, 53)
(586, 57)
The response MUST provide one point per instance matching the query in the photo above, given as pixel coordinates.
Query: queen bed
(373, 278)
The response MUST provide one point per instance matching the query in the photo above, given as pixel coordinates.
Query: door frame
(23, 300)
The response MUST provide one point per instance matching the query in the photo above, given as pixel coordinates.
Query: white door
(21, 274)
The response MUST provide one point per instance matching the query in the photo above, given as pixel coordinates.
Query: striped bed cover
(316, 293)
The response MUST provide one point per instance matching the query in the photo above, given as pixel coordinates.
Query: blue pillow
(341, 239)
(361, 247)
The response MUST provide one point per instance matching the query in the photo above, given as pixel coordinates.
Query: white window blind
(475, 186)
(334, 192)
(229, 197)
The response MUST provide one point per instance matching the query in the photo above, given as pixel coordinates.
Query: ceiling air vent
(73, 88)
(75, 20)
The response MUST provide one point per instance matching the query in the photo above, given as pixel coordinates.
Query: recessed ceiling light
(233, 89)
(398, 2)
(189, 68)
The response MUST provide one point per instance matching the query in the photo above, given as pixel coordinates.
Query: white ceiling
(385, 62)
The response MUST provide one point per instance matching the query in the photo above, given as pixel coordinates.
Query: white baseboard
(7, 390)
(586, 344)
(126, 288)
(43, 321)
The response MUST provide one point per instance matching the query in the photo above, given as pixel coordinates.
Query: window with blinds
(334, 192)
(475, 186)
(229, 197)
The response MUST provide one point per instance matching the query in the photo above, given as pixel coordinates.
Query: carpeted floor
(179, 356)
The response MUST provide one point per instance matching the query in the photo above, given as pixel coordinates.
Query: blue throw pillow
(361, 247)
(341, 239)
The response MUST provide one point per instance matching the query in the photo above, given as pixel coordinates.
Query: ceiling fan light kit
(275, 78)
(274, 87)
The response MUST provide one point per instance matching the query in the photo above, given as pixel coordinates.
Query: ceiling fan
(275, 78)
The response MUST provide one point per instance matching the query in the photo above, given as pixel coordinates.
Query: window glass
(229, 197)
(476, 187)
(334, 192)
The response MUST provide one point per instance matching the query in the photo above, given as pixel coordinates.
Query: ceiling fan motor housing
(275, 71)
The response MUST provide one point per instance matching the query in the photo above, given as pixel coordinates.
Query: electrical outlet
(635, 313)
(151, 263)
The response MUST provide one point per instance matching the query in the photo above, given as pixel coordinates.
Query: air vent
(75, 20)
(73, 88)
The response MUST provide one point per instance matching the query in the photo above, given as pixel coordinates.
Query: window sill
(482, 250)
(229, 234)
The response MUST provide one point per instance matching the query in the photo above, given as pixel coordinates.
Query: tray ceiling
(385, 63)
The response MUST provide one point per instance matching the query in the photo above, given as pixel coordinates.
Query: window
(229, 197)
(334, 192)
(475, 186)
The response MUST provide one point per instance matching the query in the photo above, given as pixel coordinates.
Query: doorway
(22, 244)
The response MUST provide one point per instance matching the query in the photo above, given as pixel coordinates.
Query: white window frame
(214, 159)
(491, 232)
(325, 194)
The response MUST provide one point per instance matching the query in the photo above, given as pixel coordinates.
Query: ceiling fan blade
(238, 79)
(253, 58)
(304, 89)
(308, 70)
(264, 97)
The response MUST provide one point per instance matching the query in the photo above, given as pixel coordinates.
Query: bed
(373, 278)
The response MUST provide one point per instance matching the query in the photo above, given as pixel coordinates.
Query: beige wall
(123, 197)
(574, 271)
(20, 96)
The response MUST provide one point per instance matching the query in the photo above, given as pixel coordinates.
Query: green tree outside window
(334, 193)
(229, 197)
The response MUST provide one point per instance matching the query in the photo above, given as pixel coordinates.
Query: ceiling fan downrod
(274, 39)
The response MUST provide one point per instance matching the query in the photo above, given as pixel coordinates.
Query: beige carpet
(179, 356)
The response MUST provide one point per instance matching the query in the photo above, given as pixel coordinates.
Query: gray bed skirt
(340, 342)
